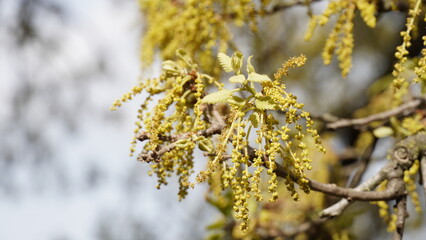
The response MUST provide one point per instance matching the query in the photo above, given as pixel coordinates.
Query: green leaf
(256, 77)
(255, 119)
(236, 101)
(382, 132)
(265, 103)
(238, 79)
(249, 89)
(237, 62)
(205, 144)
(225, 62)
(250, 68)
(217, 97)
(170, 66)
(180, 53)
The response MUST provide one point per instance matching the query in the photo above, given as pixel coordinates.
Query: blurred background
(65, 172)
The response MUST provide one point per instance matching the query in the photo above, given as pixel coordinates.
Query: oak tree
(271, 166)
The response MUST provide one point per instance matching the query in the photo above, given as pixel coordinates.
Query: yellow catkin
(192, 25)
(401, 50)
(178, 111)
(340, 41)
(420, 70)
(409, 179)
(384, 210)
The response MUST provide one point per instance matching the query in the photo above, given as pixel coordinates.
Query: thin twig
(423, 172)
(405, 109)
(274, 9)
(337, 208)
(217, 126)
(401, 208)
(281, 7)
(363, 164)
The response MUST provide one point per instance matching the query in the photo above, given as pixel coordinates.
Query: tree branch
(337, 208)
(401, 206)
(362, 164)
(216, 127)
(354, 194)
(405, 109)
(281, 7)
(423, 172)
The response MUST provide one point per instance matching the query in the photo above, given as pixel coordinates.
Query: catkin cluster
(277, 141)
(192, 25)
(197, 26)
(183, 117)
(172, 120)
(401, 51)
(340, 41)
(409, 179)
(385, 210)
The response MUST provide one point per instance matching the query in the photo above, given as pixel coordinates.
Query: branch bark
(404, 109)
(401, 206)
(423, 172)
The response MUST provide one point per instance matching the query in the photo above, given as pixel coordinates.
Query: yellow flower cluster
(412, 125)
(177, 112)
(409, 178)
(420, 70)
(192, 25)
(272, 216)
(197, 26)
(241, 11)
(340, 41)
(401, 51)
(384, 209)
(290, 63)
(175, 126)
(284, 144)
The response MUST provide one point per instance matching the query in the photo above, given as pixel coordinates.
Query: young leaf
(265, 103)
(205, 144)
(180, 53)
(250, 68)
(255, 119)
(217, 97)
(256, 77)
(382, 132)
(170, 66)
(236, 101)
(225, 62)
(240, 78)
(237, 62)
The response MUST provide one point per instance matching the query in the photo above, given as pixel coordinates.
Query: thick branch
(337, 208)
(354, 194)
(404, 154)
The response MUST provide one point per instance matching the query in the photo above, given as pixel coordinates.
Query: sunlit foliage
(249, 128)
